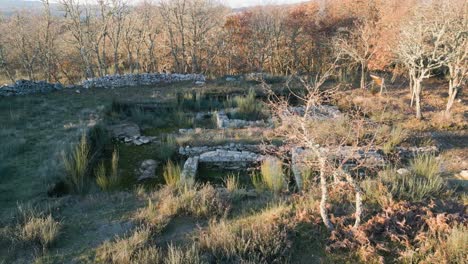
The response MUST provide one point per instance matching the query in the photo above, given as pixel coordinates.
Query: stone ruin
(25, 87)
(223, 121)
(115, 81)
(129, 133)
(231, 157)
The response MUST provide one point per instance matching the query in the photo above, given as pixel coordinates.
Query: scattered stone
(411, 152)
(147, 170)
(125, 130)
(230, 79)
(190, 170)
(77, 91)
(200, 83)
(114, 81)
(463, 174)
(186, 130)
(403, 171)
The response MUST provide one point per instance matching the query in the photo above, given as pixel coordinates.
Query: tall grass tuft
(425, 165)
(423, 182)
(101, 178)
(272, 175)
(172, 174)
(41, 230)
(248, 107)
(232, 183)
(457, 241)
(76, 166)
(396, 136)
(105, 182)
(177, 255)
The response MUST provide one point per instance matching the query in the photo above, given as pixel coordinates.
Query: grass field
(223, 218)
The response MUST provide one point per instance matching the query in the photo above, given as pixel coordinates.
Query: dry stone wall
(113, 81)
(25, 87)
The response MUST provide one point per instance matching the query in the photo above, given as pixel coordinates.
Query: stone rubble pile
(112, 81)
(147, 170)
(25, 87)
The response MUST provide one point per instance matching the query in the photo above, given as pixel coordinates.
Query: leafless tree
(326, 146)
(360, 45)
(79, 22)
(422, 48)
(457, 44)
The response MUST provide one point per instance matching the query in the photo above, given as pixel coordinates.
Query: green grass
(171, 174)
(77, 165)
(272, 176)
(423, 181)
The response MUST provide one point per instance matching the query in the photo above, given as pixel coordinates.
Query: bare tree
(457, 44)
(119, 11)
(422, 48)
(360, 45)
(330, 151)
(78, 22)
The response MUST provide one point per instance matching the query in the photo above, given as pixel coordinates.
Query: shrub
(272, 175)
(423, 182)
(77, 165)
(171, 174)
(41, 230)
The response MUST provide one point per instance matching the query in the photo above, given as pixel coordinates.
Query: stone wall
(223, 121)
(25, 87)
(112, 81)
(197, 151)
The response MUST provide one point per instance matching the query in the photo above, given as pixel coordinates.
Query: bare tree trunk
(417, 94)
(363, 75)
(324, 197)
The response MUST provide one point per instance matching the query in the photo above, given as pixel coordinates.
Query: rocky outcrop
(25, 87)
(113, 81)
